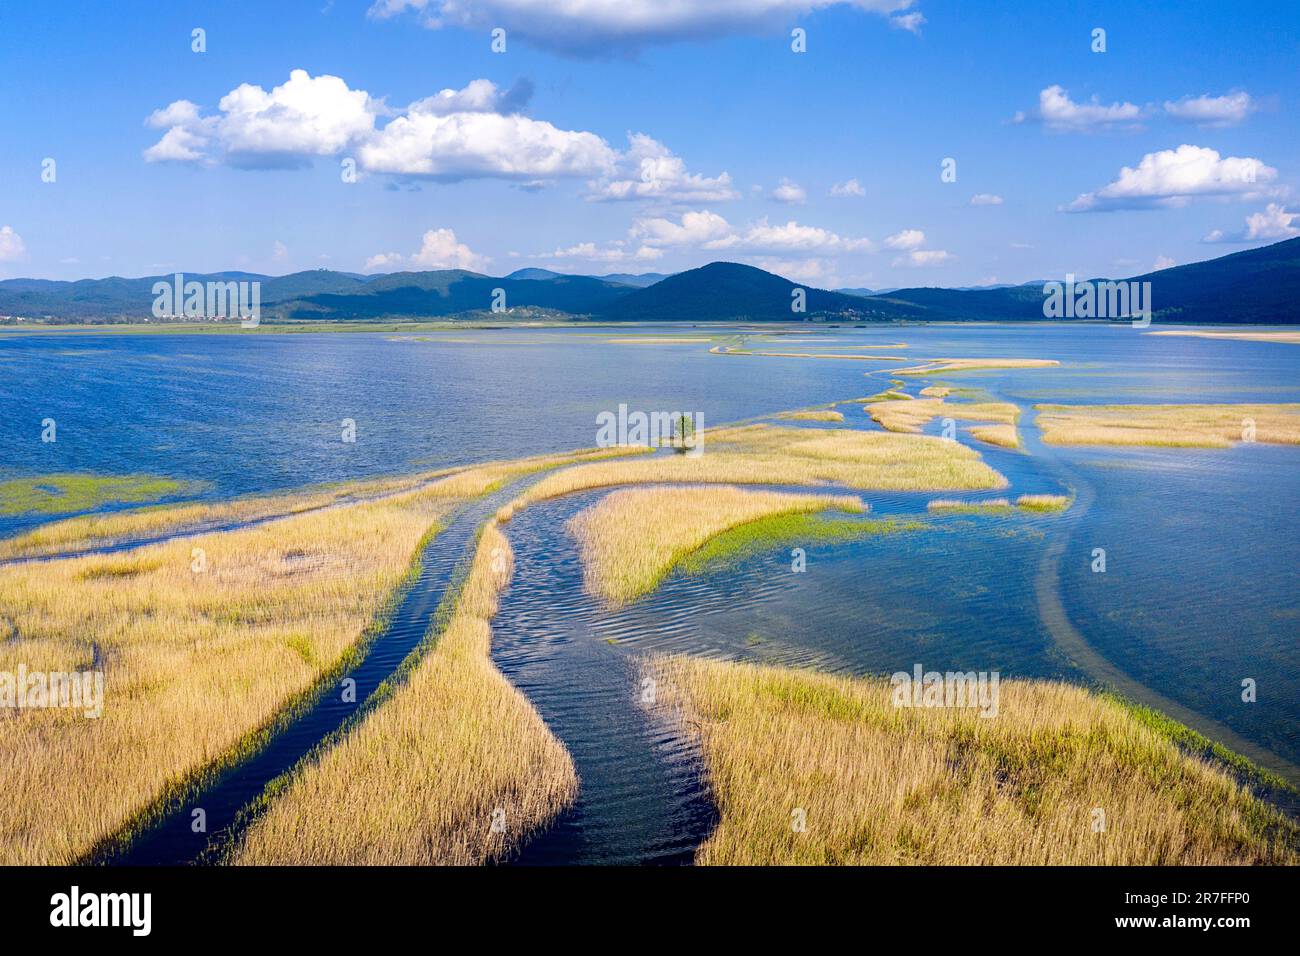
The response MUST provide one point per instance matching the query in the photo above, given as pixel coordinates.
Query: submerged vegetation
(68, 493)
(953, 506)
(632, 538)
(1173, 426)
(810, 768)
(783, 530)
(990, 505)
(1043, 502)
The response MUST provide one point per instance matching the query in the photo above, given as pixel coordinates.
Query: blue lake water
(1200, 590)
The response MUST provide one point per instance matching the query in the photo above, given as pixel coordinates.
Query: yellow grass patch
(936, 391)
(1004, 436)
(813, 415)
(97, 531)
(1178, 426)
(194, 663)
(422, 779)
(102, 530)
(765, 454)
(953, 504)
(877, 784)
(934, 366)
(631, 539)
(911, 416)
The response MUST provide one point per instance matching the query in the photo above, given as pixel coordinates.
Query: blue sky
(535, 166)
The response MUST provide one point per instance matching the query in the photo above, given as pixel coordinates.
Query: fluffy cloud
(456, 134)
(694, 229)
(439, 249)
(178, 145)
(907, 239)
(649, 171)
(453, 146)
(1272, 224)
(909, 242)
(1163, 262)
(12, 247)
(789, 192)
(614, 252)
(587, 27)
(794, 237)
(1212, 111)
(911, 22)
(1172, 177)
(849, 188)
(478, 96)
(1057, 111)
(812, 271)
(986, 199)
(920, 258)
(306, 116)
(707, 230)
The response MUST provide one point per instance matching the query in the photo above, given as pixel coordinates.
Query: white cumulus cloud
(1212, 111)
(1172, 177)
(454, 146)
(472, 132)
(12, 247)
(920, 258)
(789, 192)
(439, 249)
(986, 199)
(648, 171)
(848, 188)
(1057, 111)
(617, 251)
(693, 229)
(907, 239)
(1272, 224)
(795, 237)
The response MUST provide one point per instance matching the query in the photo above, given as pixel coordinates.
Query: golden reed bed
(1173, 426)
(810, 768)
(454, 767)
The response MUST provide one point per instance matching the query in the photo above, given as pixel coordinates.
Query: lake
(1199, 594)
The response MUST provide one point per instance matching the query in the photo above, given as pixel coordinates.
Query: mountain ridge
(1252, 286)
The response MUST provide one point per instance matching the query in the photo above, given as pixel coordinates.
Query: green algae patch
(67, 493)
(767, 534)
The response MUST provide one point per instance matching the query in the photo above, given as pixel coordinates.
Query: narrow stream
(641, 797)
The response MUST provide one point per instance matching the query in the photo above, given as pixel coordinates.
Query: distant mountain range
(1255, 286)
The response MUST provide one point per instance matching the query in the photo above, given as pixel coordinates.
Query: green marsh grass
(65, 493)
(778, 531)
(631, 539)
